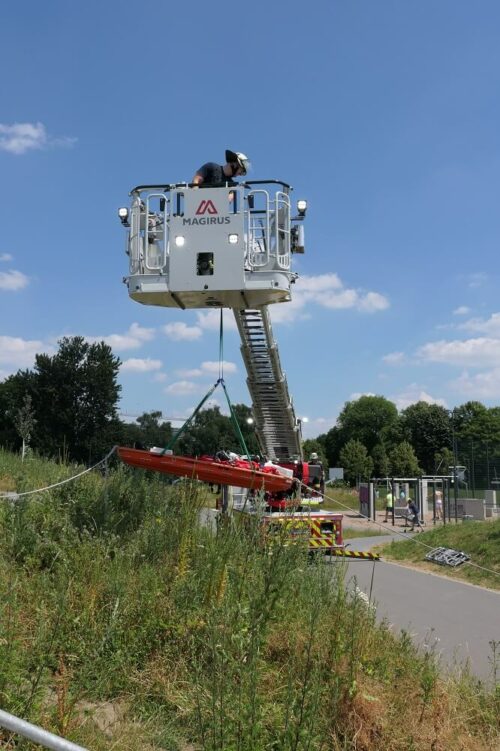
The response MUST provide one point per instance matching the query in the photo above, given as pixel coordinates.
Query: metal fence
(477, 467)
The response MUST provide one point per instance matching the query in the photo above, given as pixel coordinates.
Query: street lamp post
(455, 462)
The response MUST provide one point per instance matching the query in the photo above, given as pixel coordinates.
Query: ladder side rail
(136, 242)
(157, 227)
(276, 423)
(258, 231)
(282, 208)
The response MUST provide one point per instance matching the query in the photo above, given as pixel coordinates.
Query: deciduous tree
(355, 461)
(74, 396)
(25, 422)
(427, 427)
(403, 462)
(369, 419)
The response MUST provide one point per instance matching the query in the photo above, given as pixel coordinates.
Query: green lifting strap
(235, 422)
(220, 380)
(188, 422)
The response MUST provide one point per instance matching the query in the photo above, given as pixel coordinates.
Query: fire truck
(229, 247)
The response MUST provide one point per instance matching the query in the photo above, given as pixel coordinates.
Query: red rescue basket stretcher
(219, 473)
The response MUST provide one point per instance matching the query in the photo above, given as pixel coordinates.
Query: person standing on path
(439, 505)
(389, 503)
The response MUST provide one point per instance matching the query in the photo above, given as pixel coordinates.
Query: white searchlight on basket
(301, 207)
(123, 215)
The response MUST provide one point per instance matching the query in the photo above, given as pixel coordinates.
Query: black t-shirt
(213, 176)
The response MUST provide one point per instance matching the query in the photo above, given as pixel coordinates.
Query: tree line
(372, 439)
(66, 406)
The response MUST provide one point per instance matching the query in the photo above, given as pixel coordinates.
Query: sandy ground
(355, 521)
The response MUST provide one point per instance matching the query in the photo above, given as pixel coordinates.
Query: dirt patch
(107, 716)
(7, 484)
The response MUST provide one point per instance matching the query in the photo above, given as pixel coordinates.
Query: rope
(15, 496)
(403, 535)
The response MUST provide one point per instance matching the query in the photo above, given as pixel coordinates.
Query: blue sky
(384, 115)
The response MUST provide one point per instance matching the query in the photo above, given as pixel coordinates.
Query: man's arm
(197, 179)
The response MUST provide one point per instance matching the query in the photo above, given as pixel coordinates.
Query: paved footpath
(458, 620)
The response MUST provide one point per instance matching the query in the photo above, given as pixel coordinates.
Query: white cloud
(13, 280)
(413, 394)
(209, 366)
(213, 367)
(4, 257)
(485, 385)
(326, 291)
(316, 425)
(462, 310)
(180, 331)
(22, 137)
(477, 279)
(159, 377)
(20, 353)
(394, 358)
(192, 373)
(182, 388)
(477, 353)
(287, 312)
(137, 365)
(132, 339)
(372, 302)
(490, 326)
(336, 300)
(210, 320)
(320, 283)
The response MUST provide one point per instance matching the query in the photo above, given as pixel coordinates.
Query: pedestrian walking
(412, 515)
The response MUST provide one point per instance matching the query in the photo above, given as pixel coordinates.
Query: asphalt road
(455, 619)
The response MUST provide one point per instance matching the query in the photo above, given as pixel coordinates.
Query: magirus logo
(206, 207)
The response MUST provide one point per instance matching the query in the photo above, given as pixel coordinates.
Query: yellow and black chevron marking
(321, 542)
(318, 537)
(354, 554)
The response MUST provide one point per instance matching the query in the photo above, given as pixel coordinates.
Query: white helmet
(313, 456)
(236, 157)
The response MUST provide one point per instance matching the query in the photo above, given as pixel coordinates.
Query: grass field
(480, 540)
(127, 625)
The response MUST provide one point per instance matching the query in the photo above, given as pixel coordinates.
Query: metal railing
(267, 228)
(36, 734)
(148, 237)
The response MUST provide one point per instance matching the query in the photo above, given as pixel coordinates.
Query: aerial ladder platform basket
(228, 247)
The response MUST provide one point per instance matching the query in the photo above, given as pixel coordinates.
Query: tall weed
(110, 588)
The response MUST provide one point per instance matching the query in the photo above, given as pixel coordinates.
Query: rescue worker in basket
(212, 175)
